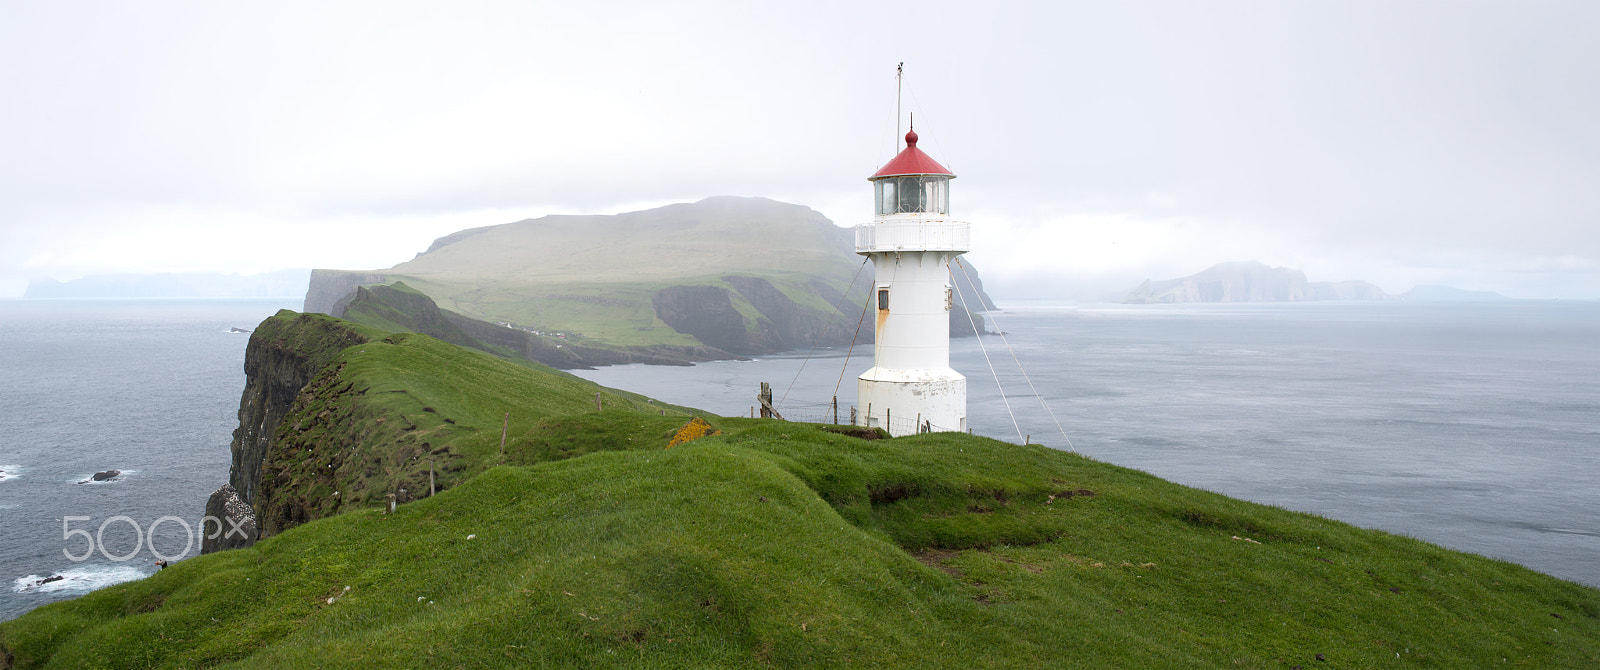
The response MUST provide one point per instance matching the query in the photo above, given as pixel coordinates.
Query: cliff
(330, 291)
(312, 442)
(588, 537)
(284, 354)
(744, 276)
(1250, 282)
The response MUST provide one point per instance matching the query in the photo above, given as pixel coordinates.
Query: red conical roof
(911, 161)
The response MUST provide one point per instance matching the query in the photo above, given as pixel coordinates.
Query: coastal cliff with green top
(571, 525)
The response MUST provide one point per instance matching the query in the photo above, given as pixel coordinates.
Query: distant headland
(1252, 281)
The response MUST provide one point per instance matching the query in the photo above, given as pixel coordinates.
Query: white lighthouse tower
(911, 241)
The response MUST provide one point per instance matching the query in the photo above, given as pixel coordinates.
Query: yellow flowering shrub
(694, 430)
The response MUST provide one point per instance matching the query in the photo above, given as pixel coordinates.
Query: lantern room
(912, 183)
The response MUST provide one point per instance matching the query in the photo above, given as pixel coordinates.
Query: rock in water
(235, 527)
(104, 475)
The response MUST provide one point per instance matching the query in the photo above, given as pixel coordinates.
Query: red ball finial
(911, 138)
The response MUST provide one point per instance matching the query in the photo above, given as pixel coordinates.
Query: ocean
(1474, 426)
(147, 387)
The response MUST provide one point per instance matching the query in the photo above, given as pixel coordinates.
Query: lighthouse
(911, 241)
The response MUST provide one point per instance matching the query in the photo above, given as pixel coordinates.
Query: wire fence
(850, 415)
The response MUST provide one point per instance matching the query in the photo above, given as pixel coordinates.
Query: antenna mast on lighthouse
(899, 70)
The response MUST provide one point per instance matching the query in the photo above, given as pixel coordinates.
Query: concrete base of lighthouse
(905, 402)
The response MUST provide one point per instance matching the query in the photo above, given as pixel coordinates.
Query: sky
(1097, 143)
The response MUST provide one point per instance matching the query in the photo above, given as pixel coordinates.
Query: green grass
(617, 314)
(383, 414)
(781, 544)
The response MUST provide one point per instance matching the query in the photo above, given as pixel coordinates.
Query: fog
(1097, 144)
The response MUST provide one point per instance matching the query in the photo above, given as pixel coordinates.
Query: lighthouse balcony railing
(919, 234)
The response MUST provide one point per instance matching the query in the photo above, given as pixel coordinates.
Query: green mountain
(590, 539)
(737, 276)
(1250, 281)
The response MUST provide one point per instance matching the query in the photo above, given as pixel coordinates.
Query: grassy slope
(595, 546)
(382, 414)
(542, 272)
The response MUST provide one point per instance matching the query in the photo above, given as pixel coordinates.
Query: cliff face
(1250, 282)
(284, 354)
(707, 314)
(710, 315)
(332, 290)
(235, 527)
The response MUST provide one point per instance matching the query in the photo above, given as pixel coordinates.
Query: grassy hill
(401, 410)
(591, 543)
(790, 277)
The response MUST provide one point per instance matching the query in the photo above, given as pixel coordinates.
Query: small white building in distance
(911, 241)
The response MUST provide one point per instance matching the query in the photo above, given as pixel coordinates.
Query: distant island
(1250, 281)
(277, 284)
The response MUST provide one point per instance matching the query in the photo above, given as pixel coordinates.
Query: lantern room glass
(927, 194)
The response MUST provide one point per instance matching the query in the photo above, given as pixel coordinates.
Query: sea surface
(1474, 426)
(147, 387)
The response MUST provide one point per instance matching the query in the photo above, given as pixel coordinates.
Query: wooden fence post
(765, 398)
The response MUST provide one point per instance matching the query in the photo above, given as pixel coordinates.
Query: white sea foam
(10, 472)
(82, 579)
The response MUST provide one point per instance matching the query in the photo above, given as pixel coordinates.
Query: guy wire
(1024, 372)
(979, 335)
(815, 343)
